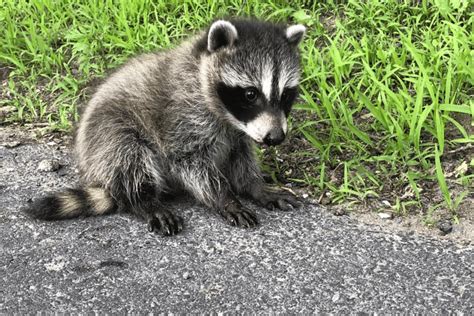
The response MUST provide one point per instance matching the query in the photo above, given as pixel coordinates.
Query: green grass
(387, 88)
(388, 85)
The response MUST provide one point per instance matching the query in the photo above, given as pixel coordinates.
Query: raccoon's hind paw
(238, 215)
(166, 223)
(279, 200)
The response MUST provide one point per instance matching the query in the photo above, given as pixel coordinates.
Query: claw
(150, 227)
(165, 223)
(284, 205)
(280, 200)
(237, 215)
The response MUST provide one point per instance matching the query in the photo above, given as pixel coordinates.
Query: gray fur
(156, 125)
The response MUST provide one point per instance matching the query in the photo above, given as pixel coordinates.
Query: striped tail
(72, 203)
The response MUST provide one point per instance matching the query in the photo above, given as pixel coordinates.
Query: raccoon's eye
(251, 94)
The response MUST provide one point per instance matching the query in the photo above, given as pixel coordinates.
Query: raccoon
(186, 119)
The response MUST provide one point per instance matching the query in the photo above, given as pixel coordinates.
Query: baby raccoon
(186, 119)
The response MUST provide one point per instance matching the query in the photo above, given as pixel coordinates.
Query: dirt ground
(369, 213)
(432, 217)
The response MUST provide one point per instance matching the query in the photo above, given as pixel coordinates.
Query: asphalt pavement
(303, 261)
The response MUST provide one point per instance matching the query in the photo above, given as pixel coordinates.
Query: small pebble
(445, 226)
(385, 215)
(325, 200)
(48, 165)
(339, 211)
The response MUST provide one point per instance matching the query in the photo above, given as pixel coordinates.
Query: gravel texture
(297, 262)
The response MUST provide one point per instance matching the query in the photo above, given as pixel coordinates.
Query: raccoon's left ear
(295, 33)
(221, 34)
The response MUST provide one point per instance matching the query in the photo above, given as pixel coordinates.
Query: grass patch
(386, 106)
(391, 87)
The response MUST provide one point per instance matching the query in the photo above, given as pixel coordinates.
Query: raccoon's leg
(145, 204)
(207, 185)
(236, 214)
(136, 185)
(246, 179)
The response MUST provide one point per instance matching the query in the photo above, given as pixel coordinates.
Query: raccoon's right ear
(221, 34)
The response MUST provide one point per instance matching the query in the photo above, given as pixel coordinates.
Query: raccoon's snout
(267, 128)
(275, 137)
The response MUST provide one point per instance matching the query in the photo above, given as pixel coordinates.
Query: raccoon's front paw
(278, 199)
(166, 223)
(237, 215)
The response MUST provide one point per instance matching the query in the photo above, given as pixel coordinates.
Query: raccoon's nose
(274, 137)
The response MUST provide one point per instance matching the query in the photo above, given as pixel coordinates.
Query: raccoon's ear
(221, 34)
(295, 33)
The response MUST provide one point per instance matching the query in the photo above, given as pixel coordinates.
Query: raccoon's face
(256, 75)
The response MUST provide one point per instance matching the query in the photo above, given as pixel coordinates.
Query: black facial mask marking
(236, 102)
(287, 99)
